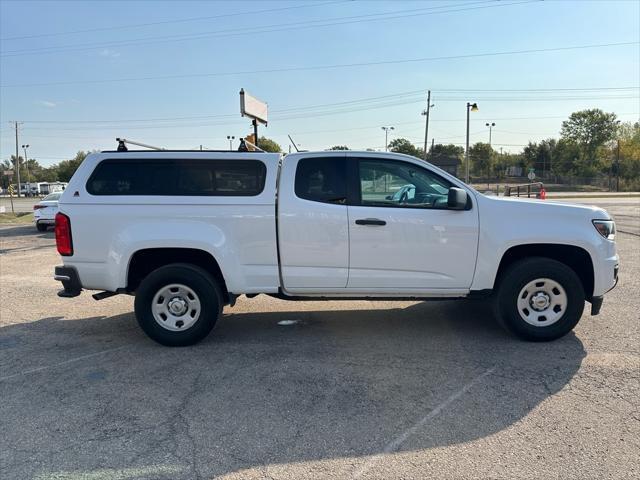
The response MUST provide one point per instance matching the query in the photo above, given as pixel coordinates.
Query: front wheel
(539, 299)
(178, 304)
(42, 227)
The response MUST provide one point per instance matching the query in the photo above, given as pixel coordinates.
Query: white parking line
(66, 362)
(400, 439)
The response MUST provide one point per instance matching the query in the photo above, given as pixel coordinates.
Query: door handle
(371, 221)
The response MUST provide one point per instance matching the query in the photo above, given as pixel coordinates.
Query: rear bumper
(44, 221)
(44, 218)
(70, 281)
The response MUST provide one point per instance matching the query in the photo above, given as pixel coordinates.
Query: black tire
(195, 278)
(41, 227)
(520, 274)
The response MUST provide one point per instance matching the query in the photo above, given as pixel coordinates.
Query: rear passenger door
(313, 228)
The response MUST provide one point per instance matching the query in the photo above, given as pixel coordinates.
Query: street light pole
(17, 173)
(474, 108)
(490, 125)
(26, 165)
(386, 137)
(426, 123)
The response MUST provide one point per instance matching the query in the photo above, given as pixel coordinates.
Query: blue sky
(59, 59)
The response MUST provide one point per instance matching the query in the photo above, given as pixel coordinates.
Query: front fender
(505, 224)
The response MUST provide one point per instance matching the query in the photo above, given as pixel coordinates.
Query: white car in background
(44, 212)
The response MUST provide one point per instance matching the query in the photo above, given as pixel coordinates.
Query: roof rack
(122, 145)
(123, 142)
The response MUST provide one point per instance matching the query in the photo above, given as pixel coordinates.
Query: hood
(542, 208)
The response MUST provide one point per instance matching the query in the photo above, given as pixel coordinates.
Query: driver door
(407, 242)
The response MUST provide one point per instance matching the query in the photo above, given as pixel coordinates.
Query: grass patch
(20, 218)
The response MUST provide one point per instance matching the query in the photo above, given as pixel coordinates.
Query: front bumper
(596, 302)
(70, 281)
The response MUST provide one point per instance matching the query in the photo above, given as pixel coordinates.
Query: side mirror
(389, 197)
(457, 199)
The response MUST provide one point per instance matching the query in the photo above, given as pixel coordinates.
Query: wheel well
(143, 262)
(576, 258)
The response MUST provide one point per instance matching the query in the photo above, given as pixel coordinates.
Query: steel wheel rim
(542, 302)
(176, 307)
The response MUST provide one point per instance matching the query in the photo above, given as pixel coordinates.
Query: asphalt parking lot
(350, 390)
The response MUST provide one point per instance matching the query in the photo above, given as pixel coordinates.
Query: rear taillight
(38, 207)
(63, 235)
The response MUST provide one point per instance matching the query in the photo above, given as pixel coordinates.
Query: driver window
(390, 183)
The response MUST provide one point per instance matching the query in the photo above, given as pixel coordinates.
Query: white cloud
(107, 52)
(47, 103)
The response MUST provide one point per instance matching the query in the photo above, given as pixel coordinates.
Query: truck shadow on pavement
(336, 384)
(28, 230)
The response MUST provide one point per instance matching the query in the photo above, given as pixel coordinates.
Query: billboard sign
(252, 107)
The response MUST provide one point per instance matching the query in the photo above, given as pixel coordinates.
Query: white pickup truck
(188, 232)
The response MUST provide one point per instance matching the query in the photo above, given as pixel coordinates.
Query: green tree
(31, 171)
(449, 150)
(67, 168)
(49, 174)
(11, 165)
(539, 156)
(481, 157)
(402, 145)
(590, 130)
(5, 180)
(530, 153)
(339, 147)
(566, 158)
(503, 162)
(629, 154)
(269, 145)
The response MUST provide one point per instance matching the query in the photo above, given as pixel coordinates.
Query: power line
(343, 103)
(327, 67)
(166, 22)
(262, 29)
(416, 122)
(524, 90)
(291, 116)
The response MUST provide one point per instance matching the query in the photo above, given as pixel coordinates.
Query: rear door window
(178, 177)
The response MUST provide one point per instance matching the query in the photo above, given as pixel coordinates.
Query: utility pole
(426, 123)
(17, 158)
(618, 167)
(386, 137)
(490, 125)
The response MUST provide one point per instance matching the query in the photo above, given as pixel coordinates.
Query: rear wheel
(539, 299)
(178, 304)
(41, 227)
